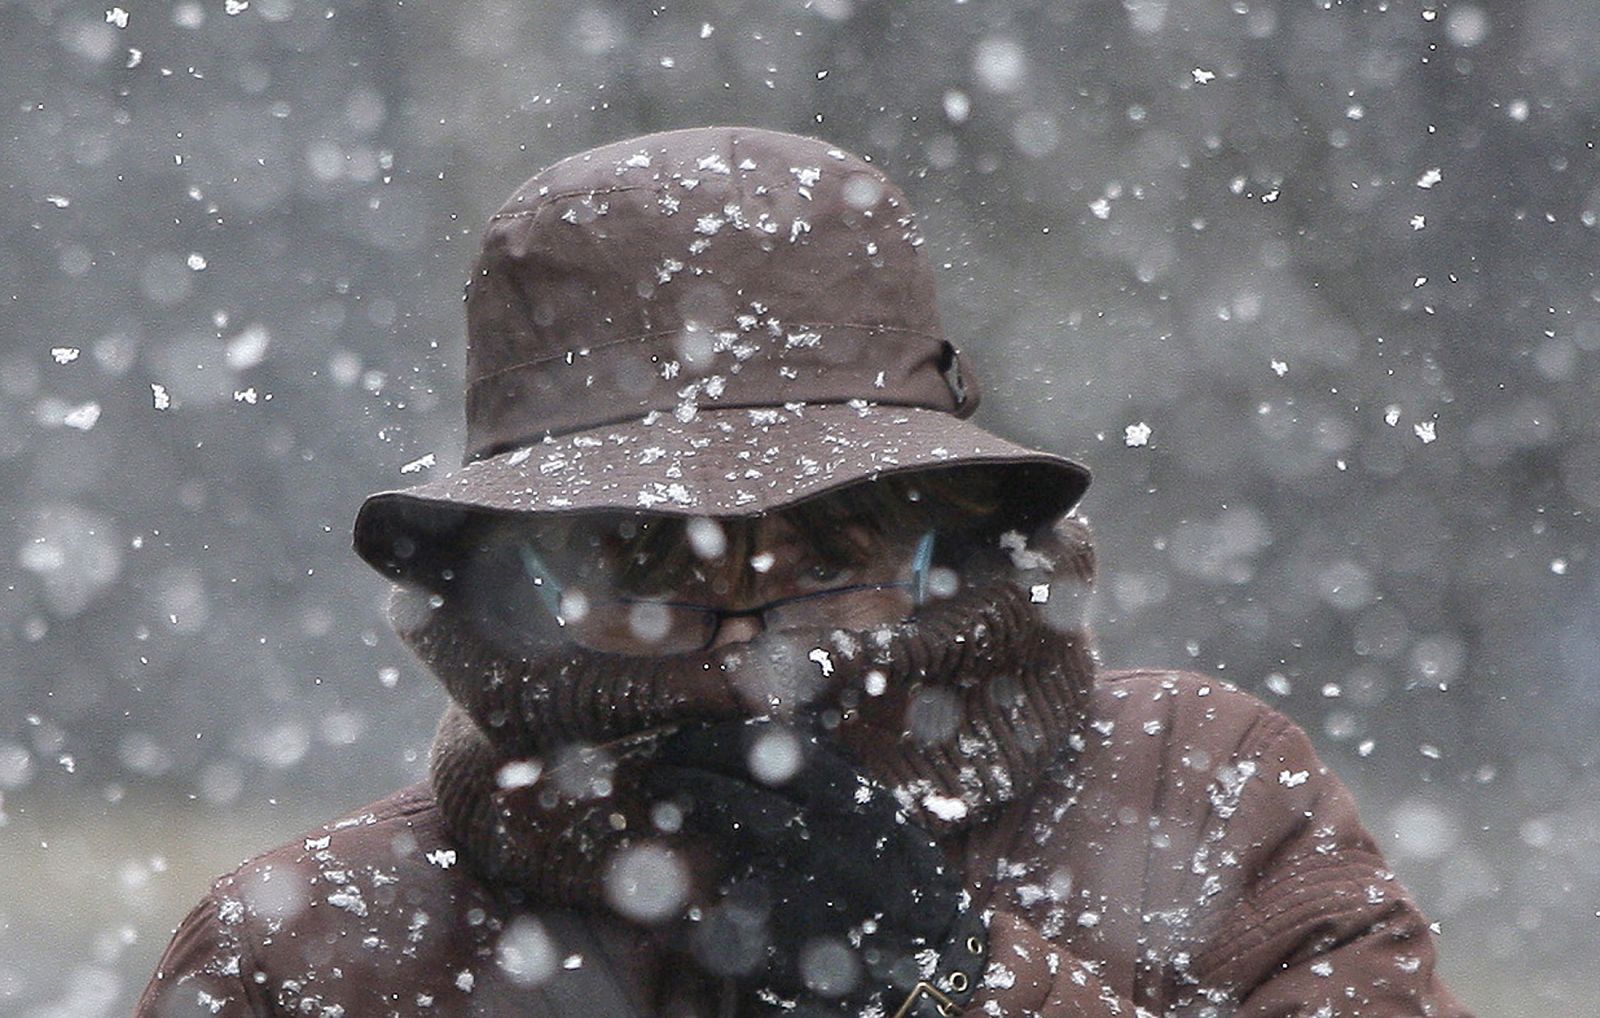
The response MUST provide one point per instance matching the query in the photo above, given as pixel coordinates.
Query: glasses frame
(550, 590)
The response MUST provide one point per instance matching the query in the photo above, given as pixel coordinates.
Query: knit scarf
(957, 711)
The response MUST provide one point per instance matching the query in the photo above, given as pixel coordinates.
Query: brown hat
(718, 321)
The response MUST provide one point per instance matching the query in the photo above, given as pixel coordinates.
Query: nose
(736, 629)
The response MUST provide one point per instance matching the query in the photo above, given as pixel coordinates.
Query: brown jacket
(1192, 858)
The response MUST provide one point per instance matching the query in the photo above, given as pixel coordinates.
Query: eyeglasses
(646, 626)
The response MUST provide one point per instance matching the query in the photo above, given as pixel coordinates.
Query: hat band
(681, 371)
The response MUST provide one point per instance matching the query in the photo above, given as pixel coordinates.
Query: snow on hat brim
(730, 462)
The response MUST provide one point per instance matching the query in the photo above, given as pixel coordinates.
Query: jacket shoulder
(377, 913)
(1196, 849)
(225, 957)
(1200, 714)
(340, 919)
(1195, 757)
(395, 833)
(1188, 804)
(1161, 755)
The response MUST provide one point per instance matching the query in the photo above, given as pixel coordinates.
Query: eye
(828, 574)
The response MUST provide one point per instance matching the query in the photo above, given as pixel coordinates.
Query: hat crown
(703, 268)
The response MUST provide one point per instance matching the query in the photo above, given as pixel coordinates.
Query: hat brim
(726, 462)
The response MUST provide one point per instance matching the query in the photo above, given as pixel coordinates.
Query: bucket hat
(717, 321)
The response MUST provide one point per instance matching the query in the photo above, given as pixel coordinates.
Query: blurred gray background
(1335, 259)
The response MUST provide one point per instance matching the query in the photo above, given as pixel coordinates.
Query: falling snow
(1364, 318)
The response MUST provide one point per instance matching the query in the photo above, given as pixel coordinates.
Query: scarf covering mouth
(957, 711)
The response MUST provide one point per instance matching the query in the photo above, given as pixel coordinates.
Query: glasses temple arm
(549, 589)
(920, 565)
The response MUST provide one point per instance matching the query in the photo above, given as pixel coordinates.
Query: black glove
(831, 899)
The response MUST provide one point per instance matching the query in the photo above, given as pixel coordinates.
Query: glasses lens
(850, 608)
(642, 627)
(650, 622)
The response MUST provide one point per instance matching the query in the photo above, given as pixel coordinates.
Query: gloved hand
(831, 900)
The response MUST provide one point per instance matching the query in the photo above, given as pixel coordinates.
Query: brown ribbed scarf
(957, 711)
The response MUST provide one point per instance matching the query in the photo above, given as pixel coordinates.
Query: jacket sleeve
(206, 969)
(1309, 922)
